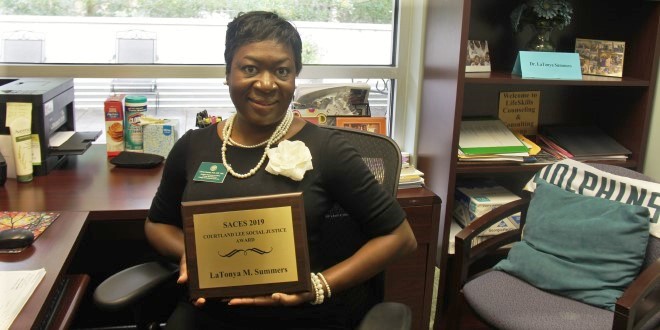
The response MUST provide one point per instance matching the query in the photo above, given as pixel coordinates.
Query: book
(410, 177)
(553, 148)
(601, 57)
(585, 141)
(489, 136)
(37, 222)
(478, 56)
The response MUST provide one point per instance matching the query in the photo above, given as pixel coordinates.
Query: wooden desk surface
(86, 183)
(53, 251)
(90, 183)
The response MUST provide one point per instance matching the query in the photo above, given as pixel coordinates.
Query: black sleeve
(166, 205)
(355, 188)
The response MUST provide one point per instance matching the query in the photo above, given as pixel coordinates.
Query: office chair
(136, 47)
(341, 239)
(504, 301)
(23, 47)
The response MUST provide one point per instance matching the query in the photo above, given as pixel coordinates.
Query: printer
(51, 100)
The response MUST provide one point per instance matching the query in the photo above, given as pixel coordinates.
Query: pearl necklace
(234, 143)
(279, 132)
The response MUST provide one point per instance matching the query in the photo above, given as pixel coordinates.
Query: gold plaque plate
(249, 246)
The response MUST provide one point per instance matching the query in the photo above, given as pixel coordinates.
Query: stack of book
(410, 177)
(489, 140)
(583, 143)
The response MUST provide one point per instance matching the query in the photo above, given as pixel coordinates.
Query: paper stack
(490, 140)
(410, 177)
(583, 143)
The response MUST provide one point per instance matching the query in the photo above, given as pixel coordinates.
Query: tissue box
(160, 137)
(475, 201)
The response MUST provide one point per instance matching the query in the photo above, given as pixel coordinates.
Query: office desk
(54, 300)
(117, 200)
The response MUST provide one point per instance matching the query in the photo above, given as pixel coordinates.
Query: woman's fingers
(276, 299)
(183, 271)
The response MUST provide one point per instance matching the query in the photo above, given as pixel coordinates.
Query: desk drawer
(420, 218)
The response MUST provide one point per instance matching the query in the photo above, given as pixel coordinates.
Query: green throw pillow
(585, 248)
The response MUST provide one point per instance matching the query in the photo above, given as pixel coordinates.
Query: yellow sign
(245, 247)
(520, 111)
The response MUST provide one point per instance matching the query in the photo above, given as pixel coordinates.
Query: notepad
(489, 136)
(16, 287)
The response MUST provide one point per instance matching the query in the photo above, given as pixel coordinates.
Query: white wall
(652, 162)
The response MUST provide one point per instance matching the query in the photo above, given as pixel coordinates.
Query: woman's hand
(276, 299)
(183, 278)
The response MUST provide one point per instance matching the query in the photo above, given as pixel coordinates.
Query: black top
(339, 176)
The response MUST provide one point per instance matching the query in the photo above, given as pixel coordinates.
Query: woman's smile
(262, 102)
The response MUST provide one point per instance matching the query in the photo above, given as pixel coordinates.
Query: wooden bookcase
(620, 106)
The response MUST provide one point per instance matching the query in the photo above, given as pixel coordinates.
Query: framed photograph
(601, 57)
(371, 124)
(249, 246)
(478, 56)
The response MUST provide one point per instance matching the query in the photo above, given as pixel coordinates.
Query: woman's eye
(283, 72)
(249, 69)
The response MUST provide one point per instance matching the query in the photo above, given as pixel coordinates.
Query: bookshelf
(619, 106)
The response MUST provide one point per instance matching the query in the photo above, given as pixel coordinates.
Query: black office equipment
(52, 112)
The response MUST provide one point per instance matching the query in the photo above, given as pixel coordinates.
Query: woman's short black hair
(258, 26)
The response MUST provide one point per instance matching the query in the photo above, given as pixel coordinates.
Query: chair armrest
(387, 315)
(466, 254)
(125, 288)
(641, 300)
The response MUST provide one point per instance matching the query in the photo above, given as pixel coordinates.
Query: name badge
(548, 65)
(211, 172)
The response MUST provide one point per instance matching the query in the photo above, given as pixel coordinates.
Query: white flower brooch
(291, 159)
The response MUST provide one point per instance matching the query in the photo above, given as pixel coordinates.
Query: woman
(263, 56)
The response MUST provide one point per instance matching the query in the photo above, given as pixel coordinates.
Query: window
(178, 45)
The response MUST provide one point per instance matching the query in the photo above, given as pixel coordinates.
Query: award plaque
(248, 246)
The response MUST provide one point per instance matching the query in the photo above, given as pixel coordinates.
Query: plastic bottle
(21, 140)
(135, 106)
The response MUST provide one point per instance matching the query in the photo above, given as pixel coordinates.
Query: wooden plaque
(249, 246)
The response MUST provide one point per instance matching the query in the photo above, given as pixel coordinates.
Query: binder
(489, 136)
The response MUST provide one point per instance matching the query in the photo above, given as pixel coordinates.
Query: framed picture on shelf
(601, 57)
(370, 124)
(478, 56)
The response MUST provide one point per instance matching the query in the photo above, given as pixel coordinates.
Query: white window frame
(407, 71)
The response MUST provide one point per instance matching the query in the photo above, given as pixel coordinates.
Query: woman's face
(261, 81)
